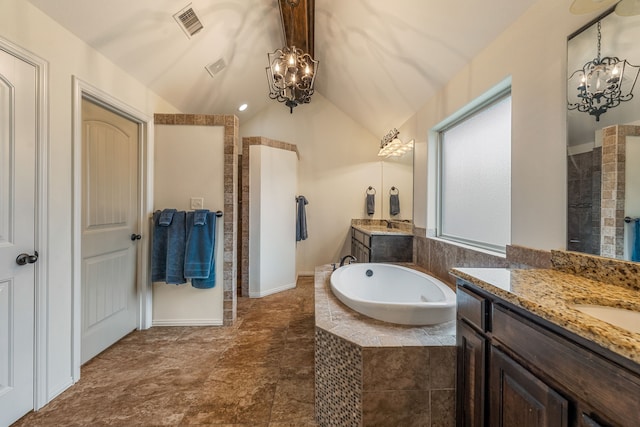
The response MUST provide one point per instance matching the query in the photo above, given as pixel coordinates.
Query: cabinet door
(471, 377)
(517, 398)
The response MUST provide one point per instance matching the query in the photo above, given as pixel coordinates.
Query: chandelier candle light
(291, 73)
(603, 84)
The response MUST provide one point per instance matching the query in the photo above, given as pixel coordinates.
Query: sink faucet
(351, 259)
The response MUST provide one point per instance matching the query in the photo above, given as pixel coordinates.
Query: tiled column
(231, 127)
(614, 140)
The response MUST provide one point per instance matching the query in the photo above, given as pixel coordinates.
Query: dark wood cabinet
(381, 247)
(517, 398)
(516, 369)
(470, 376)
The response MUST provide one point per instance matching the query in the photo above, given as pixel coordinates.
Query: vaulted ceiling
(379, 60)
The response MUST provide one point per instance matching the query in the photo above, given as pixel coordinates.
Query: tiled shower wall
(231, 125)
(584, 172)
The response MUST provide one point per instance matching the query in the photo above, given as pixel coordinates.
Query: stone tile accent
(608, 270)
(338, 381)
(521, 257)
(231, 129)
(614, 139)
(390, 375)
(243, 250)
(438, 257)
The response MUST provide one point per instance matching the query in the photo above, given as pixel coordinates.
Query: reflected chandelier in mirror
(602, 185)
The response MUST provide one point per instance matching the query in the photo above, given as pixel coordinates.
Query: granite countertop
(379, 230)
(549, 294)
(335, 317)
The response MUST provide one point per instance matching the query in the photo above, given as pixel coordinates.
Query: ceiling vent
(188, 21)
(215, 67)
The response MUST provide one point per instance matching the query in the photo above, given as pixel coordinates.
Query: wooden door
(109, 228)
(18, 119)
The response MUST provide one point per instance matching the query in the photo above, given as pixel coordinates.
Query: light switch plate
(197, 202)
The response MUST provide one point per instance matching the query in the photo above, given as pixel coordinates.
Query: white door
(17, 235)
(109, 228)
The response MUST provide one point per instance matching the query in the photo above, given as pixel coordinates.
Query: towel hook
(370, 189)
(391, 191)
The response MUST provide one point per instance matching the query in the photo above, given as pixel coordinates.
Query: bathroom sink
(623, 318)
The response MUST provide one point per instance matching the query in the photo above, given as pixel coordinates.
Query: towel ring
(370, 189)
(391, 191)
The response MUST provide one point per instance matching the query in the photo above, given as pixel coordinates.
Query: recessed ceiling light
(242, 107)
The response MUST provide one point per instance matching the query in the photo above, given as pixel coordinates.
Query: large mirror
(397, 178)
(603, 144)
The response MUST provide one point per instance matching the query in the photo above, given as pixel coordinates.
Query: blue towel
(200, 217)
(371, 204)
(635, 253)
(199, 262)
(301, 219)
(159, 250)
(166, 217)
(394, 204)
(167, 255)
(175, 249)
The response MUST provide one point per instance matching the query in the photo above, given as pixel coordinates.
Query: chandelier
(392, 146)
(291, 73)
(602, 84)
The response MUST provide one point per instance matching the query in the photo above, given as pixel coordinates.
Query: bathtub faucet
(351, 259)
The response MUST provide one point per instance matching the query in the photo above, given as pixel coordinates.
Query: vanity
(381, 241)
(528, 357)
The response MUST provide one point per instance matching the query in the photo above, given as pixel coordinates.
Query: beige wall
(189, 162)
(26, 26)
(338, 161)
(533, 52)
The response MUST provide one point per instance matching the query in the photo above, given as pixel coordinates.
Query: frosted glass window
(475, 177)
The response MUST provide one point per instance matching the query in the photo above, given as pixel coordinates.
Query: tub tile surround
(231, 129)
(370, 372)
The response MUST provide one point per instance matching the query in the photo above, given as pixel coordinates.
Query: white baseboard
(272, 291)
(187, 322)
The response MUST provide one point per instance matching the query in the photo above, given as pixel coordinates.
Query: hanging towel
(167, 253)
(175, 249)
(199, 263)
(159, 248)
(200, 216)
(301, 219)
(371, 204)
(394, 204)
(166, 216)
(635, 253)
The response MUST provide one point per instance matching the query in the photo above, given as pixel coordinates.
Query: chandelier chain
(599, 40)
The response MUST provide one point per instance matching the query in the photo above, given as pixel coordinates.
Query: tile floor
(258, 373)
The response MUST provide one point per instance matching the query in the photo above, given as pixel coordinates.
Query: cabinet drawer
(472, 308)
(602, 386)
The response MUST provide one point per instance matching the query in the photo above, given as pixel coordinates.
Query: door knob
(135, 237)
(24, 259)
